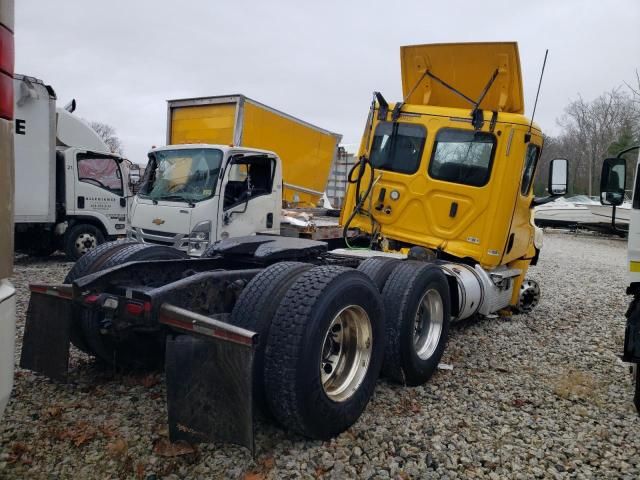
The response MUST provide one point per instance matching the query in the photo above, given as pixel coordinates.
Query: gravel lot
(540, 395)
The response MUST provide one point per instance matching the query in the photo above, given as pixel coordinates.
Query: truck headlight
(199, 238)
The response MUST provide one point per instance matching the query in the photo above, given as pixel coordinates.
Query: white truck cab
(195, 194)
(70, 191)
(613, 185)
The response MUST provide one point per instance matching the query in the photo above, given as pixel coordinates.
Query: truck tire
(417, 307)
(256, 306)
(90, 263)
(132, 350)
(378, 269)
(81, 238)
(324, 351)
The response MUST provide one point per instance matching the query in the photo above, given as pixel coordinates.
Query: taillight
(135, 308)
(6, 73)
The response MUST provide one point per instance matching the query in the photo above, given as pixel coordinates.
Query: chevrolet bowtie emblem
(158, 221)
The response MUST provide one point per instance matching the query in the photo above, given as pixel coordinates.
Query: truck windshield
(188, 175)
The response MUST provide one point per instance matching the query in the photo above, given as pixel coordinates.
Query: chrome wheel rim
(86, 242)
(346, 353)
(428, 324)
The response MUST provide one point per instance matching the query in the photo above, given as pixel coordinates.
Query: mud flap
(209, 376)
(636, 397)
(45, 345)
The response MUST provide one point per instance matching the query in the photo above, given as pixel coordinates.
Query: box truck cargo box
(307, 151)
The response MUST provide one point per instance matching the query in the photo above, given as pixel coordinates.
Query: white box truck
(69, 189)
(230, 166)
(7, 292)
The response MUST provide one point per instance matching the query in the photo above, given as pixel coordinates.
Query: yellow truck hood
(467, 67)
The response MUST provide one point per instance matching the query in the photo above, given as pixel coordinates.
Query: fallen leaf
(139, 471)
(268, 463)
(150, 380)
(146, 381)
(518, 402)
(79, 434)
(84, 437)
(117, 448)
(17, 453)
(253, 476)
(165, 448)
(108, 430)
(54, 411)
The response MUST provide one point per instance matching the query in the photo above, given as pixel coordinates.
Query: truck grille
(155, 237)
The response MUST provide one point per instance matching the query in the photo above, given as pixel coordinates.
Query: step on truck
(69, 189)
(613, 185)
(198, 189)
(441, 198)
(7, 292)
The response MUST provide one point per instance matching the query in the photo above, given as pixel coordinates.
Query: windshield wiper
(175, 197)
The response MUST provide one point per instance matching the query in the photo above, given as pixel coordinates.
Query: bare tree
(108, 135)
(635, 90)
(590, 128)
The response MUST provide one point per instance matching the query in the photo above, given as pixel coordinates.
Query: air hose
(360, 167)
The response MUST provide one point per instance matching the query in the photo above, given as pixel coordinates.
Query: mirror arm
(542, 200)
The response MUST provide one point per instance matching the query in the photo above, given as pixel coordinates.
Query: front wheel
(324, 351)
(80, 239)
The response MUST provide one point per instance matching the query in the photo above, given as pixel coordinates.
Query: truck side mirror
(613, 180)
(558, 176)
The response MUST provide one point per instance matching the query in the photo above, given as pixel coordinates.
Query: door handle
(453, 211)
(80, 202)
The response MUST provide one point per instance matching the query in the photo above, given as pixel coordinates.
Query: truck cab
(195, 194)
(613, 185)
(70, 189)
(450, 168)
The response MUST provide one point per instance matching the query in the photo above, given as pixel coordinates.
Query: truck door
(520, 234)
(99, 190)
(251, 197)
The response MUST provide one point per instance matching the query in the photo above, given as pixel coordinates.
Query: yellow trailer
(240, 121)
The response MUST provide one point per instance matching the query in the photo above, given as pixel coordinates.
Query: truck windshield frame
(184, 175)
(398, 146)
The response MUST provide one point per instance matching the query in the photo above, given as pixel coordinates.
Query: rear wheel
(129, 350)
(324, 351)
(80, 239)
(417, 308)
(378, 269)
(256, 306)
(90, 263)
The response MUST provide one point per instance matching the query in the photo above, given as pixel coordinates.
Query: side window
(102, 172)
(398, 146)
(529, 168)
(462, 156)
(248, 178)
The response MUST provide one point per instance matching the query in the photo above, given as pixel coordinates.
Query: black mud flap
(209, 375)
(636, 397)
(45, 344)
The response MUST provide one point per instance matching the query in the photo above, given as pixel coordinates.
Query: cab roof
(224, 148)
(467, 67)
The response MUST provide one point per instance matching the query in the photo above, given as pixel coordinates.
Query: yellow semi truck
(243, 122)
(441, 197)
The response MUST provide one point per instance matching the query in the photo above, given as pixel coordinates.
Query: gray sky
(319, 61)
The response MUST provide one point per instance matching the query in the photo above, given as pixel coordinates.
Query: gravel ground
(535, 396)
